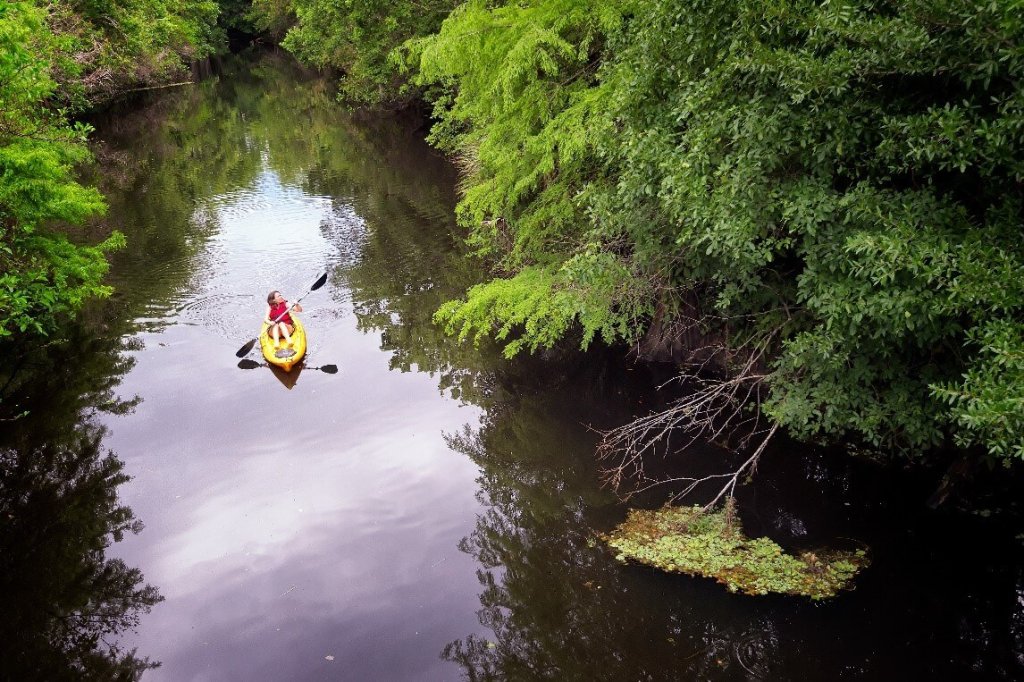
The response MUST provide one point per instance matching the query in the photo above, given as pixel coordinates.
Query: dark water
(428, 513)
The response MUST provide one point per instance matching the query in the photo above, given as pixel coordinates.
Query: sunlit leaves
(55, 58)
(41, 273)
(539, 305)
(520, 96)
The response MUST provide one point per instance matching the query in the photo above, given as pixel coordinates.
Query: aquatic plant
(693, 541)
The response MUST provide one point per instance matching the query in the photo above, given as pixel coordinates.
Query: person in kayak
(278, 309)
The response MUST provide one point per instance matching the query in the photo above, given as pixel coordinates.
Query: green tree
(117, 45)
(830, 194)
(56, 59)
(846, 176)
(42, 274)
(521, 99)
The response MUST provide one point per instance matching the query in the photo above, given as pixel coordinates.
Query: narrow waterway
(430, 511)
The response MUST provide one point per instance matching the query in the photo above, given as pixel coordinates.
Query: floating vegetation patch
(712, 544)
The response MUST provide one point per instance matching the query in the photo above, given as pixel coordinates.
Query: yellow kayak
(287, 355)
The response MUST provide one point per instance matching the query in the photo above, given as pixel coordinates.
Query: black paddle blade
(319, 283)
(244, 350)
(330, 369)
(248, 364)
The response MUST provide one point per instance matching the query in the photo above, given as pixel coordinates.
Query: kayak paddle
(252, 364)
(244, 350)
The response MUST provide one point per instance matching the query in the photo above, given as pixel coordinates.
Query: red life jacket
(277, 309)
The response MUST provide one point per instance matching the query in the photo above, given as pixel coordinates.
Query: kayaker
(277, 307)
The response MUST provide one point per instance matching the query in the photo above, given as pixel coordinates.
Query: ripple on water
(225, 314)
(345, 230)
(756, 651)
(238, 204)
(245, 242)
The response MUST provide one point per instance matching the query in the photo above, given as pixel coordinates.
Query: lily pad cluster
(696, 542)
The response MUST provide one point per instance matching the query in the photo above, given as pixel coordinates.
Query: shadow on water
(287, 379)
(65, 602)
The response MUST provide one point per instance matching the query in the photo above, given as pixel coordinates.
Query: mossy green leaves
(42, 274)
(692, 541)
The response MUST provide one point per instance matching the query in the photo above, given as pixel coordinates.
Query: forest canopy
(834, 187)
(827, 195)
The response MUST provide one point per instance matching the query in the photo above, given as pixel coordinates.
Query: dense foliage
(55, 59)
(520, 111)
(116, 45)
(41, 274)
(839, 183)
(833, 187)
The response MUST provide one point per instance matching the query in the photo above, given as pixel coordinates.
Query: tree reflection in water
(65, 601)
(558, 607)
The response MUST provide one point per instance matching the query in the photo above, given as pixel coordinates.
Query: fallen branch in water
(750, 464)
(158, 87)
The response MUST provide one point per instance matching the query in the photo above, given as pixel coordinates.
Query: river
(430, 511)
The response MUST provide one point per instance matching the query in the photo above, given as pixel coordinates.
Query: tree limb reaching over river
(713, 408)
(845, 177)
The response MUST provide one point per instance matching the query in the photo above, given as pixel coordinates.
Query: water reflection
(66, 602)
(70, 376)
(237, 184)
(558, 607)
(285, 525)
(943, 601)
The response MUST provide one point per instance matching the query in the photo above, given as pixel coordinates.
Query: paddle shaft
(244, 350)
(316, 285)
